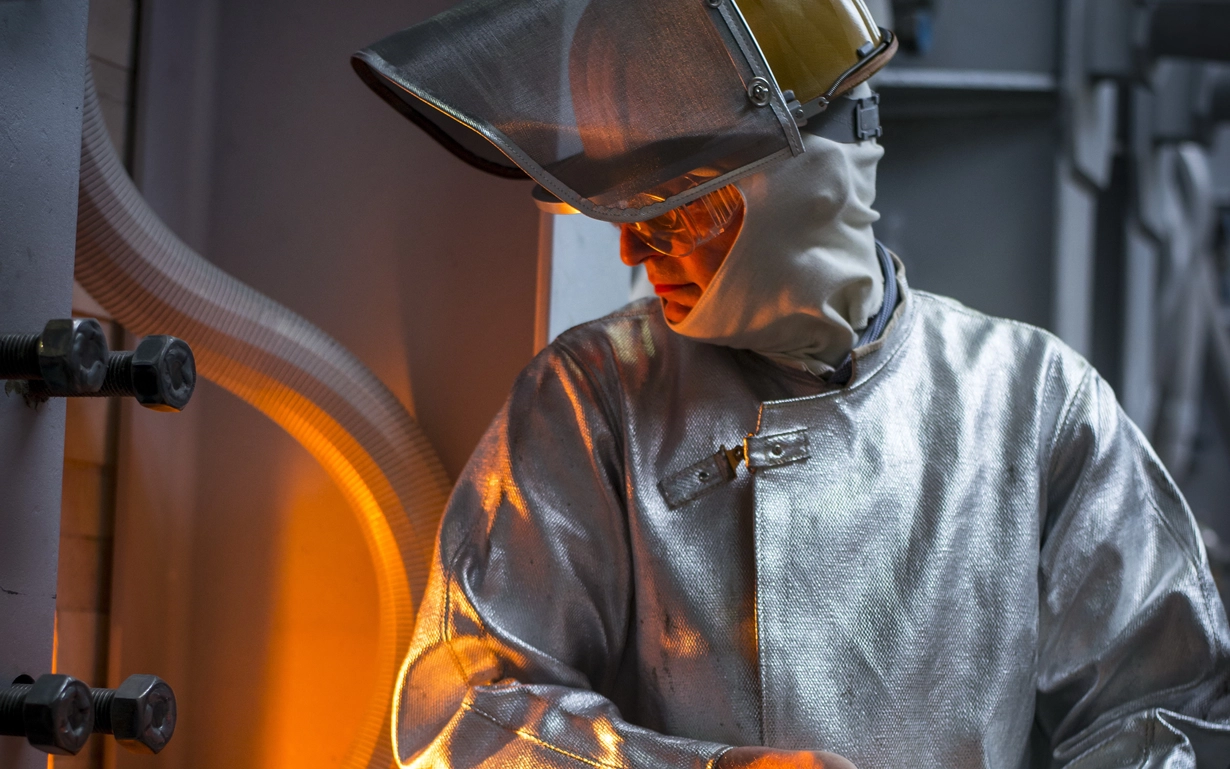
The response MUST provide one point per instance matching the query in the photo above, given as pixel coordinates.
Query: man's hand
(768, 758)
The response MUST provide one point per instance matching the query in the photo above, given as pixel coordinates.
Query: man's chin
(675, 312)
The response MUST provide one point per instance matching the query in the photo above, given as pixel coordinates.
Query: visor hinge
(867, 118)
(795, 108)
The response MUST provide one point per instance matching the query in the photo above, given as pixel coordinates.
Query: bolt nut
(143, 714)
(58, 715)
(163, 373)
(759, 92)
(72, 356)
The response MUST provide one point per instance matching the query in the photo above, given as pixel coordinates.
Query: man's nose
(632, 250)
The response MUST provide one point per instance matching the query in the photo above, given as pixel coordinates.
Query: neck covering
(803, 277)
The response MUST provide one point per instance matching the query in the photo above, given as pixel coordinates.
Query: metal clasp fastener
(867, 118)
(696, 480)
(759, 451)
(765, 451)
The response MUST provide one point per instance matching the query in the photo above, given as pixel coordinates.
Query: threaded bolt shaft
(102, 699)
(11, 701)
(119, 376)
(19, 356)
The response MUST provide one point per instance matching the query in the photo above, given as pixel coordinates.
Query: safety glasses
(680, 231)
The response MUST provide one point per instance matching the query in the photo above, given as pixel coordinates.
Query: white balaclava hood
(803, 277)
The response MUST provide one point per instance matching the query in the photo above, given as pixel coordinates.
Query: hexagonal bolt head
(72, 356)
(143, 714)
(58, 715)
(163, 373)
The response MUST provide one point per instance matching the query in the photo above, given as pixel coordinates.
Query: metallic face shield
(625, 109)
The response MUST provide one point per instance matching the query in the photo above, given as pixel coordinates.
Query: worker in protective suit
(792, 512)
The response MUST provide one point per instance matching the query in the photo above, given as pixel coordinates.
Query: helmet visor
(623, 109)
(817, 49)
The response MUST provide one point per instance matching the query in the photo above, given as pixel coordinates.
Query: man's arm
(526, 616)
(1134, 651)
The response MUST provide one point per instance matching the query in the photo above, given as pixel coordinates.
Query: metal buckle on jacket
(765, 451)
(760, 453)
(697, 480)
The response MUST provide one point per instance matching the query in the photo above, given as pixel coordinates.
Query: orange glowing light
(338, 453)
(324, 623)
(55, 655)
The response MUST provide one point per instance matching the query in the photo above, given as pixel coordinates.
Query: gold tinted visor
(818, 49)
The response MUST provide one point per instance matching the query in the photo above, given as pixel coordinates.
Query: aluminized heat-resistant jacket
(969, 557)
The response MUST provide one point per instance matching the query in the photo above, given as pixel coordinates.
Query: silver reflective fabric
(623, 109)
(967, 558)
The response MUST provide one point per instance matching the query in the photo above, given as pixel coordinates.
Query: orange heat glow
(337, 452)
(55, 655)
(323, 640)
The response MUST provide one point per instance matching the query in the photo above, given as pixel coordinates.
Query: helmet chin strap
(849, 119)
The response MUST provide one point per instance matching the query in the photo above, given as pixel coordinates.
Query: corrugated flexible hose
(291, 371)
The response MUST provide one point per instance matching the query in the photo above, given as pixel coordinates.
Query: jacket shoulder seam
(1066, 415)
(1193, 558)
(610, 414)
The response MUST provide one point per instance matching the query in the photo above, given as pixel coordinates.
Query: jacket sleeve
(1134, 651)
(525, 618)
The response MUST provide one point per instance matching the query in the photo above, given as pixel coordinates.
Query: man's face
(680, 280)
